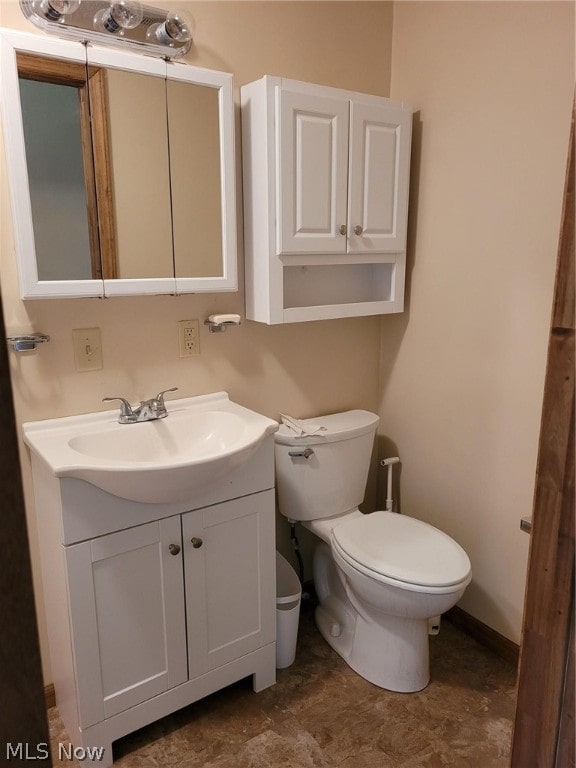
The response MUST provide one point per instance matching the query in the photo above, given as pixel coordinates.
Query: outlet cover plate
(189, 337)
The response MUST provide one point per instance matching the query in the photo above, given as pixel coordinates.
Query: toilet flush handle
(302, 453)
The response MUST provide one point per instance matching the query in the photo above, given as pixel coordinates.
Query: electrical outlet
(189, 337)
(87, 349)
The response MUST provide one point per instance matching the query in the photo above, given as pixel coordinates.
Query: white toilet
(380, 577)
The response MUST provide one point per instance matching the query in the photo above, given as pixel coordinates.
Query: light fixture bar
(125, 23)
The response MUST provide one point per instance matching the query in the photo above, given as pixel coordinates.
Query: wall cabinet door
(312, 173)
(229, 562)
(126, 610)
(378, 178)
(342, 175)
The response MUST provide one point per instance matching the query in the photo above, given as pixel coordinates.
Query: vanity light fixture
(127, 23)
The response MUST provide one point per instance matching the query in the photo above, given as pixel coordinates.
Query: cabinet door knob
(196, 542)
(358, 229)
(174, 549)
(343, 229)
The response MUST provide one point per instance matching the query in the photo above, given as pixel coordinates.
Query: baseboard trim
(502, 646)
(50, 695)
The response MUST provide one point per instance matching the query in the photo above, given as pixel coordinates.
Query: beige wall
(297, 369)
(462, 370)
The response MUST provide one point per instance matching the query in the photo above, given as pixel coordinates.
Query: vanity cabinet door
(312, 173)
(126, 610)
(229, 558)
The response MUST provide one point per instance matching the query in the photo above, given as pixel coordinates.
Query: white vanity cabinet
(153, 606)
(326, 177)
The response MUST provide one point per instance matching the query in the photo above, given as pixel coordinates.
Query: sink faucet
(148, 410)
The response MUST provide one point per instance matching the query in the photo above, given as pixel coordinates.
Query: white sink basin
(163, 461)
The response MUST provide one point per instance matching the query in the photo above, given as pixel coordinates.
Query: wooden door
(544, 724)
(127, 614)
(22, 702)
(230, 571)
(312, 173)
(378, 178)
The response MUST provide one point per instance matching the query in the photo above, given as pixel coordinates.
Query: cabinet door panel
(379, 165)
(230, 580)
(127, 597)
(312, 171)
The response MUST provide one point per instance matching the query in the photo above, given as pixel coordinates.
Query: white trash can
(288, 594)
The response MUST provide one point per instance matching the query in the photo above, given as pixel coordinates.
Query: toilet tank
(332, 480)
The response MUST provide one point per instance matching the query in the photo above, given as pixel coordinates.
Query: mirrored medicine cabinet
(121, 170)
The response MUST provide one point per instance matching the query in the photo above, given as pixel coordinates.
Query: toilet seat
(402, 551)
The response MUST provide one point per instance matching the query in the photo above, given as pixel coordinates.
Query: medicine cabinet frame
(31, 287)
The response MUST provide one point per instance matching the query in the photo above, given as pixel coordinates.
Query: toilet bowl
(379, 577)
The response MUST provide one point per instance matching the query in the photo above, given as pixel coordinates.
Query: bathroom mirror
(131, 92)
(196, 209)
(139, 174)
(121, 171)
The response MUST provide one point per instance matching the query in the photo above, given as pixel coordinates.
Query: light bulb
(53, 10)
(177, 28)
(122, 14)
(174, 30)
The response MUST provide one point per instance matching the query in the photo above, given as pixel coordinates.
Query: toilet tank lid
(338, 426)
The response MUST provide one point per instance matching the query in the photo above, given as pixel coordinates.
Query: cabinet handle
(174, 549)
(358, 229)
(196, 542)
(343, 229)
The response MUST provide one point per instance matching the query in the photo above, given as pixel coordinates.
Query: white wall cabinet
(157, 605)
(326, 178)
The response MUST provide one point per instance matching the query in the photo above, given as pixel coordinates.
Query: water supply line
(389, 463)
(296, 545)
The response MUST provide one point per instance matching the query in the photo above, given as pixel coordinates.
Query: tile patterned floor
(320, 714)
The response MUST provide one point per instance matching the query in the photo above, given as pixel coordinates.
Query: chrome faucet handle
(156, 405)
(126, 412)
(160, 396)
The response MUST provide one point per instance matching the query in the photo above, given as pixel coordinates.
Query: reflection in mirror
(56, 122)
(140, 176)
(194, 137)
(100, 195)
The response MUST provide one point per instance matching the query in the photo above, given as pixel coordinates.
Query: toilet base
(388, 650)
(395, 656)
